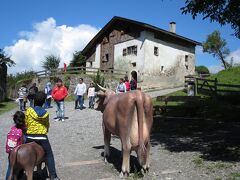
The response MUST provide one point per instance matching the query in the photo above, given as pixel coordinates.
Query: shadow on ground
(213, 130)
(116, 159)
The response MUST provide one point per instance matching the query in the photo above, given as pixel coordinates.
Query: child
(22, 96)
(16, 135)
(48, 92)
(121, 88)
(91, 96)
(37, 123)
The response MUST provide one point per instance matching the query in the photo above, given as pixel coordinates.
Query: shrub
(202, 70)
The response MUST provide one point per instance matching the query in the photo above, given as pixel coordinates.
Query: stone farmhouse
(156, 58)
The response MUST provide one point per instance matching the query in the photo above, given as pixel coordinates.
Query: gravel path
(78, 145)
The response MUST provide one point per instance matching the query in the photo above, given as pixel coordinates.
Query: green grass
(198, 162)
(7, 106)
(234, 176)
(229, 76)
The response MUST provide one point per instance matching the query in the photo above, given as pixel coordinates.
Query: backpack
(127, 84)
(14, 139)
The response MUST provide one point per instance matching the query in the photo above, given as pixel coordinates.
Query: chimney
(172, 27)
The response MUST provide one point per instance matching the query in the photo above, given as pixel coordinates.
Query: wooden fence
(211, 85)
(79, 70)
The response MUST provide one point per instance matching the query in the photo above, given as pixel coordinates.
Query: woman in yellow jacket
(37, 124)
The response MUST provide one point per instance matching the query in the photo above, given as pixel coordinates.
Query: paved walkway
(163, 92)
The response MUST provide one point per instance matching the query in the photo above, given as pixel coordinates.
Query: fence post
(215, 84)
(196, 86)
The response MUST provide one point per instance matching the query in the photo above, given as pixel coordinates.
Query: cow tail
(13, 159)
(140, 112)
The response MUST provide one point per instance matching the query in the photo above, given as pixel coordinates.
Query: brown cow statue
(129, 116)
(26, 157)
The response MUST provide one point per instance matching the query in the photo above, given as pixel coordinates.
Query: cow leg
(107, 139)
(146, 166)
(29, 173)
(126, 149)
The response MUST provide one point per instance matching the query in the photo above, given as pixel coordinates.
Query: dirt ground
(77, 144)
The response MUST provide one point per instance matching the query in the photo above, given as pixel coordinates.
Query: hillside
(229, 76)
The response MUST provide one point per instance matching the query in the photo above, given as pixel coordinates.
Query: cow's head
(103, 97)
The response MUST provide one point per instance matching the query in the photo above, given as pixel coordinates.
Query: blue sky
(24, 22)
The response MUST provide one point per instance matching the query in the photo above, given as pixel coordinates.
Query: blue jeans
(60, 109)
(91, 101)
(47, 103)
(80, 99)
(22, 105)
(8, 170)
(31, 102)
(48, 154)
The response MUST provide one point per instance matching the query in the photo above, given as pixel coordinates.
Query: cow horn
(102, 88)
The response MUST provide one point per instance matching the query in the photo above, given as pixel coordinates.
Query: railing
(79, 70)
(211, 85)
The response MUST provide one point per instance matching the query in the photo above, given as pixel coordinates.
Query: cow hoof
(124, 175)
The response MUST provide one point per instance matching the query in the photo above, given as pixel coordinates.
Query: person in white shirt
(91, 95)
(121, 88)
(80, 90)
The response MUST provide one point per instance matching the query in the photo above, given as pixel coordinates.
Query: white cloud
(235, 55)
(45, 39)
(215, 69)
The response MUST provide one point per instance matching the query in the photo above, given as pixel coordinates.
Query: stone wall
(110, 82)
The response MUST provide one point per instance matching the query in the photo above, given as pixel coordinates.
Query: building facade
(156, 58)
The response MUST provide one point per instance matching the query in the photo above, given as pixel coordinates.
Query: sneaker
(58, 119)
(62, 119)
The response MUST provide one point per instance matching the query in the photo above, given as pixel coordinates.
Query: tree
(51, 62)
(221, 11)
(5, 59)
(201, 70)
(78, 60)
(217, 46)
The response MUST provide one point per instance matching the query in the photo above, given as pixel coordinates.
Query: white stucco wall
(169, 56)
(96, 63)
(148, 65)
(125, 62)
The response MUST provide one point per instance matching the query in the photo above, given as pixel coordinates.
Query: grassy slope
(230, 76)
(7, 106)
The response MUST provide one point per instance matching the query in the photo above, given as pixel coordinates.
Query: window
(155, 51)
(107, 57)
(124, 52)
(186, 58)
(130, 50)
(162, 68)
(134, 64)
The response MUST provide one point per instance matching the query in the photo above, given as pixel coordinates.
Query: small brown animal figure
(129, 116)
(25, 157)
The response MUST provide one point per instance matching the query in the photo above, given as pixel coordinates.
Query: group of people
(25, 95)
(32, 126)
(124, 85)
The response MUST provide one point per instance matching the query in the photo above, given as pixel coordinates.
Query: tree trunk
(3, 81)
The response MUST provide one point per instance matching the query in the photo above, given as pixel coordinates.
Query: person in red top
(127, 84)
(59, 93)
